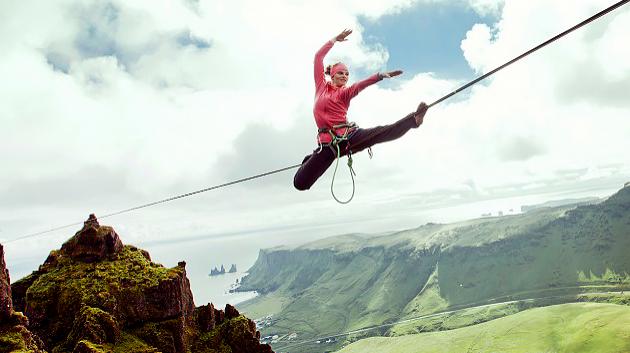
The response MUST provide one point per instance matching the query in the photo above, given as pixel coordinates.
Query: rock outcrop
(215, 271)
(97, 295)
(238, 332)
(93, 242)
(14, 334)
(6, 305)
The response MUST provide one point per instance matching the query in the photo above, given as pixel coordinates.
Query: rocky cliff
(14, 334)
(6, 305)
(96, 294)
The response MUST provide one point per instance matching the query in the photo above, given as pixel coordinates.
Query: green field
(570, 328)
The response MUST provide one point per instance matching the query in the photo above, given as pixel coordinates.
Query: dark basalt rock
(205, 317)
(6, 304)
(93, 242)
(14, 333)
(230, 312)
(235, 330)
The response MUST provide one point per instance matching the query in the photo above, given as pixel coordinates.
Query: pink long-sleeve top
(331, 102)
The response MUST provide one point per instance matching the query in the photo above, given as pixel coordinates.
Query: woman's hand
(390, 74)
(341, 37)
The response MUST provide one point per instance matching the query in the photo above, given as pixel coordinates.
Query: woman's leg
(317, 163)
(364, 138)
(313, 166)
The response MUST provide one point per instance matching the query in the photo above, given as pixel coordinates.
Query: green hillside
(570, 328)
(354, 281)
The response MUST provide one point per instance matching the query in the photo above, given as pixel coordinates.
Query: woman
(332, 100)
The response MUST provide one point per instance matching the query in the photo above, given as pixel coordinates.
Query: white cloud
(169, 97)
(530, 96)
(487, 7)
(610, 46)
(476, 45)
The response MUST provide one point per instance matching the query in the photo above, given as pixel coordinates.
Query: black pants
(315, 164)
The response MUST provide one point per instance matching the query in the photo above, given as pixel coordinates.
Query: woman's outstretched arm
(357, 87)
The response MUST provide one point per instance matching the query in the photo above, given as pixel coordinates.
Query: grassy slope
(340, 284)
(575, 328)
(585, 246)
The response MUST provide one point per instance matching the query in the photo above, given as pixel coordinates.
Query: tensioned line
(547, 42)
(156, 202)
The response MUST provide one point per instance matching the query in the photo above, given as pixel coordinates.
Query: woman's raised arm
(318, 67)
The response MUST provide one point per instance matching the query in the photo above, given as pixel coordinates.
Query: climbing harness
(349, 128)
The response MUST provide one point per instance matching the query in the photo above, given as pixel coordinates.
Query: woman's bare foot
(420, 112)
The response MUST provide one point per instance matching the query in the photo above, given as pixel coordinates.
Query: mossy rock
(18, 339)
(81, 302)
(92, 325)
(115, 286)
(232, 336)
(85, 346)
(130, 343)
(168, 336)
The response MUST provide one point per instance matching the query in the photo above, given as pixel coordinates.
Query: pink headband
(336, 68)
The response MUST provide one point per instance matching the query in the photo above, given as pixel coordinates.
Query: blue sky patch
(58, 62)
(426, 38)
(186, 38)
(99, 23)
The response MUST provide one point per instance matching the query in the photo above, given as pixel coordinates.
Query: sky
(110, 104)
